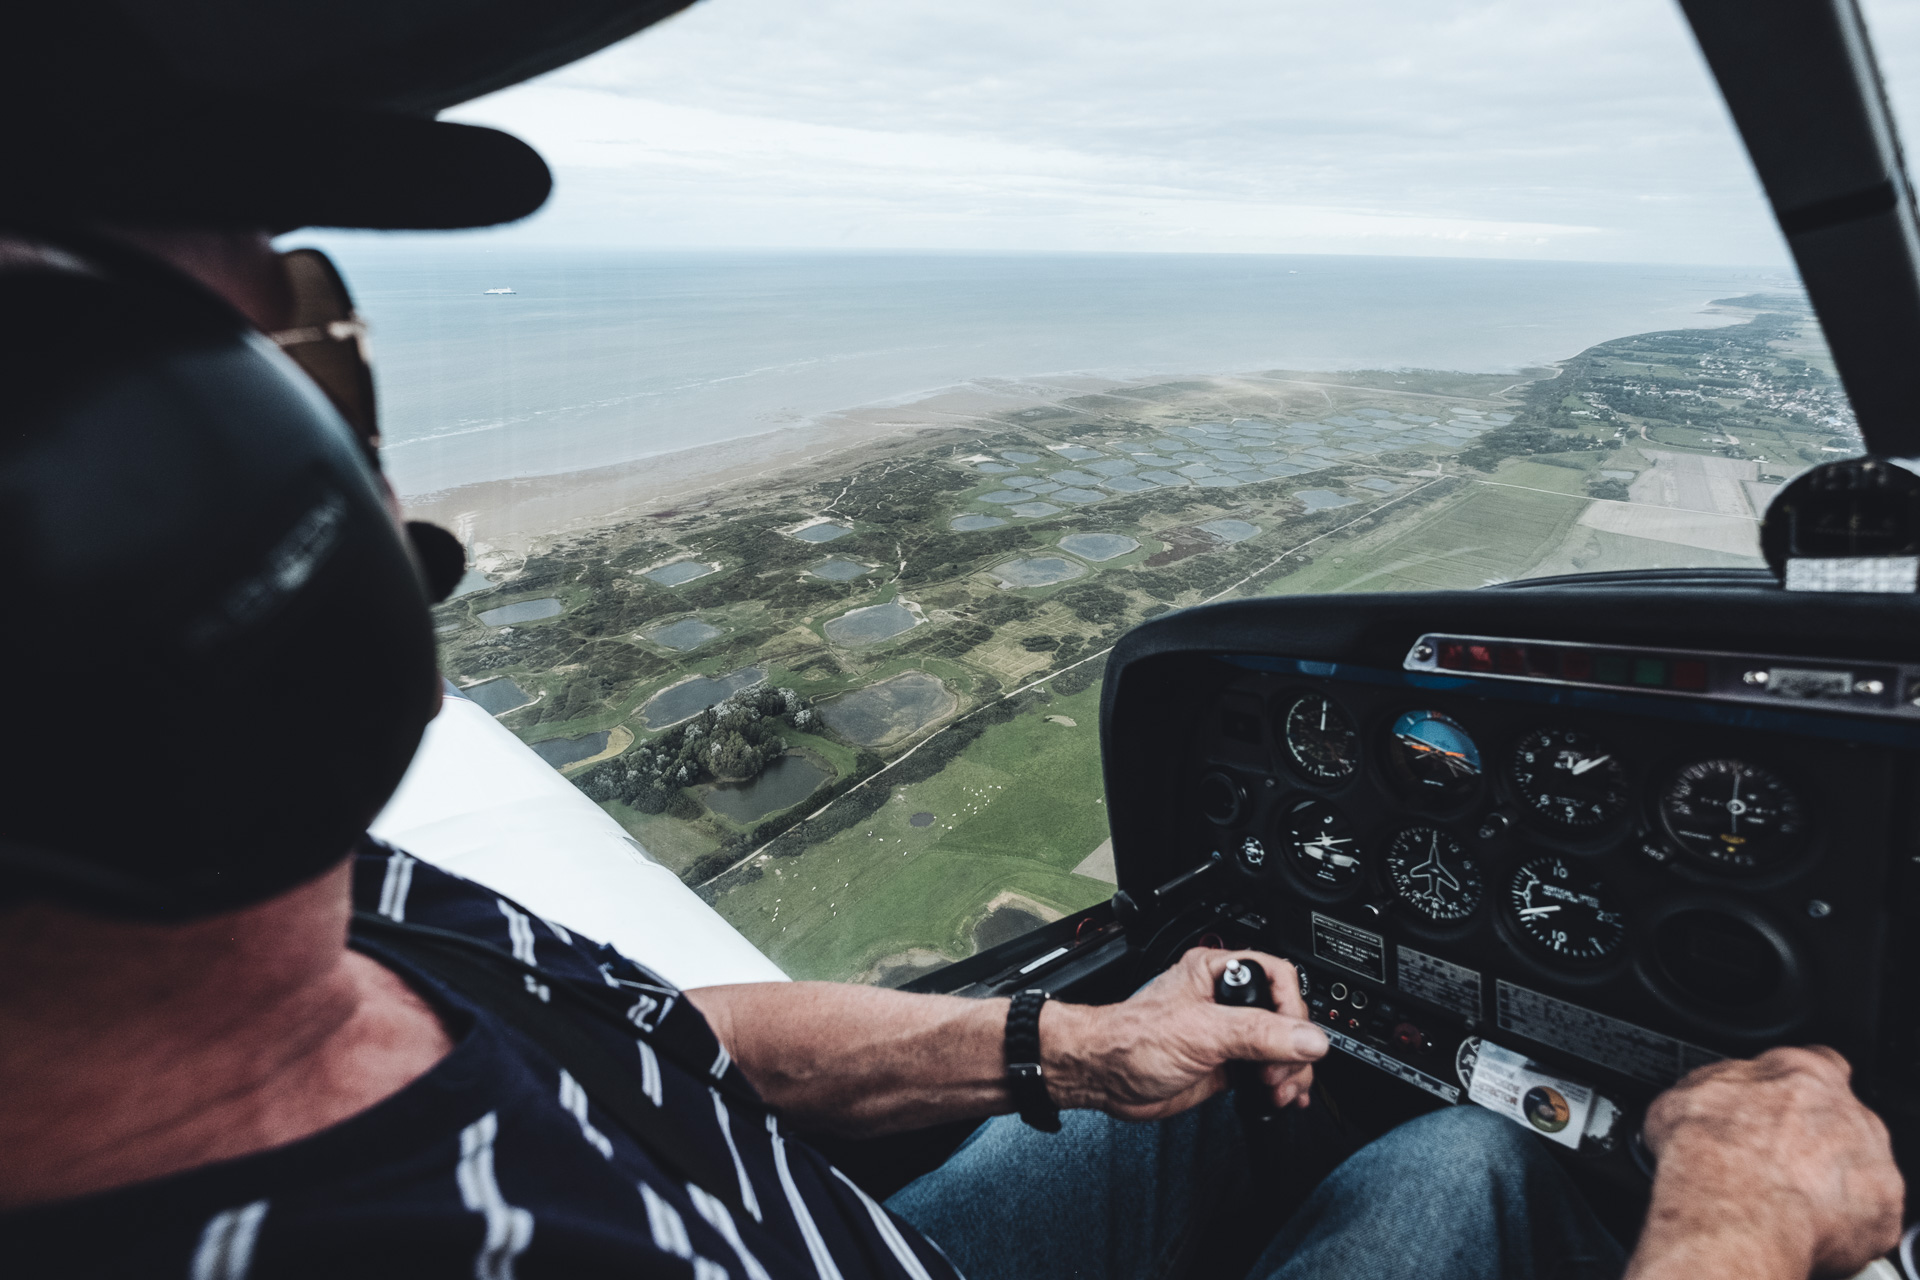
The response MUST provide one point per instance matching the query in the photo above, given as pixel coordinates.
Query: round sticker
(1546, 1109)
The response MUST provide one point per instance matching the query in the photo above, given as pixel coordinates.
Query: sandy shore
(500, 520)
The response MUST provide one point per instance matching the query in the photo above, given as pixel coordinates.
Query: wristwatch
(1025, 1080)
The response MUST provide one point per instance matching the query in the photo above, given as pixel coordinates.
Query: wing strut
(1800, 80)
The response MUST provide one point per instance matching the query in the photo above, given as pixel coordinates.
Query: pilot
(238, 1038)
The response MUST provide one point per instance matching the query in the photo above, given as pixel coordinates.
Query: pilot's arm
(862, 1060)
(1769, 1169)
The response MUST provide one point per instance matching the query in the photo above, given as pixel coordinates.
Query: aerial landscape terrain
(855, 704)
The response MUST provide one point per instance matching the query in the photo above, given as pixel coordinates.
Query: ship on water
(492, 291)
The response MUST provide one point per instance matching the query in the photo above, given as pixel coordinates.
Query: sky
(1578, 129)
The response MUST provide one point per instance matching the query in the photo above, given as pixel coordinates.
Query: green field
(1489, 533)
(1015, 812)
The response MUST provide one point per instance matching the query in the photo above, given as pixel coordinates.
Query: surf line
(732, 867)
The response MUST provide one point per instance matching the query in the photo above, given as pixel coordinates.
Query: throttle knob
(1245, 986)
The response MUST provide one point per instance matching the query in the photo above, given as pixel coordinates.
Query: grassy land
(1015, 811)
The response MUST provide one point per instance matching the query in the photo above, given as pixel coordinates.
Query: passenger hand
(1167, 1047)
(1774, 1159)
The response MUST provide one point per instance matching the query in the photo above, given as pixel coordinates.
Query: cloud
(1509, 129)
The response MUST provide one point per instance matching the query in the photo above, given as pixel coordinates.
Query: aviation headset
(217, 645)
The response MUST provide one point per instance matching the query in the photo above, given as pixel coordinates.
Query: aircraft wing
(479, 803)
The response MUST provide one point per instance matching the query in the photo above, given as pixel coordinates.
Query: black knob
(1245, 986)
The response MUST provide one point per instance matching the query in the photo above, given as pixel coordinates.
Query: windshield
(867, 379)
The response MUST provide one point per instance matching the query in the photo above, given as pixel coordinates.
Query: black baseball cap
(281, 113)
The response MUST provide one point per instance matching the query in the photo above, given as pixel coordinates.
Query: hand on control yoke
(1168, 1047)
(1776, 1154)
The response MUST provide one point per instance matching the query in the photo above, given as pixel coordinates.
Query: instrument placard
(1452, 987)
(1619, 1046)
(1351, 947)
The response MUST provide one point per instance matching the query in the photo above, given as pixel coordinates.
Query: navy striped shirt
(496, 1164)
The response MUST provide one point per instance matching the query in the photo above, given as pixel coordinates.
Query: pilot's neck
(129, 1051)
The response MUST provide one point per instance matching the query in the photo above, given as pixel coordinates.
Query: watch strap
(1026, 1081)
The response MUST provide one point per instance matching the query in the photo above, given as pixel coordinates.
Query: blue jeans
(1459, 1194)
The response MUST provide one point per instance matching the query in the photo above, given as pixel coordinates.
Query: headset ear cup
(443, 560)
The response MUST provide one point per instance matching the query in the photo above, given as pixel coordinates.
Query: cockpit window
(867, 379)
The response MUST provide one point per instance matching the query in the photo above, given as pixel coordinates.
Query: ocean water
(607, 356)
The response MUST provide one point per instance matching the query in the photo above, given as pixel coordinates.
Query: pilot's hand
(1775, 1160)
(1166, 1049)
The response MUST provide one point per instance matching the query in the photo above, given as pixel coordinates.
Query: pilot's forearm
(1694, 1231)
(862, 1060)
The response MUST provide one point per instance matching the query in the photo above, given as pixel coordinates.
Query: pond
(884, 711)
(1322, 499)
(1038, 571)
(1034, 510)
(524, 611)
(782, 784)
(1075, 453)
(471, 581)
(1077, 495)
(688, 633)
(837, 570)
(672, 575)
(691, 697)
(1378, 484)
(1017, 455)
(1128, 484)
(1004, 924)
(968, 524)
(1098, 546)
(995, 468)
(822, 532)
(563, 751)
(1230, 530)
(1003, 496)
(870, 625)
(497, 697)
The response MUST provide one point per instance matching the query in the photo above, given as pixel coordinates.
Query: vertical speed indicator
(1320, 740)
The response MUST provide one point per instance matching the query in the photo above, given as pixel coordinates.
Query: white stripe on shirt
(574, 1099)
(669, 1229)
(748, 1200)
(650, 1073)
(509, 1229)
(226, 1243)
(393, 889)
(890, 1232)
(721, 1062)
(823, 1263)
(519, 932)
(718, 1217)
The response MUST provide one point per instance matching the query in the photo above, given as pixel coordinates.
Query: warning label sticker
(1453, 987)
(1350, 947)
(1621, 1046)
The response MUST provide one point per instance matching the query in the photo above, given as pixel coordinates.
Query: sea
(604, 356)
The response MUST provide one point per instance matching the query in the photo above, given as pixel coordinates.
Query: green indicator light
(1610, 668)
(1651, 671)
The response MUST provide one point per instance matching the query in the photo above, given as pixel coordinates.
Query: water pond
(1034, 510)
(672, 575)
(688, 633)
(782, 784)
(691, 697)
(1004, 924)
(1018, 455)
(870, 625)
(1322, 499)
(497, 697)
(1038, 571)
(564, 751)
(995, 468)
(822, 532)
(1076, 453)
(1378, 484)
(1077, 495)
(1230, 530)
(525, 611)
(837, 570)
(884, 711)
(1128, 484)
(968, 524)
(1098, 546)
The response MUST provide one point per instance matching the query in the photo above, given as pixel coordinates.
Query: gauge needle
(1734, 807)
(1529, 912)
(1594, 763)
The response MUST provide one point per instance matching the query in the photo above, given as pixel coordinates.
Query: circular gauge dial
(1253, 854)
(1320, 845)
(1733, 814)
(1570, 778)
(1564, 912)
(1320, 740)
(1434, 875)
(1435, 756)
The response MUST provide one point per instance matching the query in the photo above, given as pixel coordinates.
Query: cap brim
(267, 165)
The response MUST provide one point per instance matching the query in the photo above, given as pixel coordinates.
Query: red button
(1690, 674)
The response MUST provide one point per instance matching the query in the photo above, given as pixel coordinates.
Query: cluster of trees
(731, 741)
